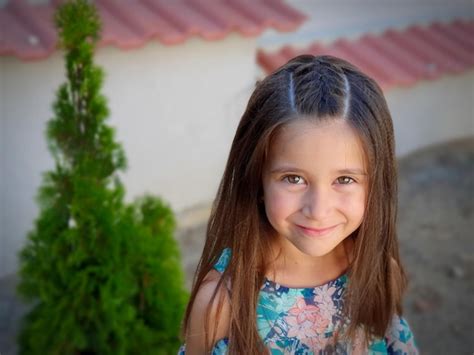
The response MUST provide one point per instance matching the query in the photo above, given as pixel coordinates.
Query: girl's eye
(294, 179)
(345, 180)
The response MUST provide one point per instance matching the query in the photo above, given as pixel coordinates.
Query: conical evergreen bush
(103, 277)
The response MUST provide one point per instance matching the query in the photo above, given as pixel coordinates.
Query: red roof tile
(28, 32)
(396, 58)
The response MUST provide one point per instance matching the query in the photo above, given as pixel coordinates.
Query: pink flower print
(303, 311)
(315, 343)
(324, 301)
(305, 321)
(324, 295)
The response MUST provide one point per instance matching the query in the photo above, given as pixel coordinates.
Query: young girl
(301, 254)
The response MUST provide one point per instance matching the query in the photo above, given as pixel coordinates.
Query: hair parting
(347, 96)
(291, 93)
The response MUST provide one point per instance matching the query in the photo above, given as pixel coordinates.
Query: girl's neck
(292, 270)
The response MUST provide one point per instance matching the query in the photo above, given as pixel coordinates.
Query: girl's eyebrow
(285, 169)
(352, 171)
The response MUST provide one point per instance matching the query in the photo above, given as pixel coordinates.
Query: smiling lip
(316, 232)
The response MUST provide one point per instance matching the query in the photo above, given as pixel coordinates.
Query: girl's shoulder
(217, 320)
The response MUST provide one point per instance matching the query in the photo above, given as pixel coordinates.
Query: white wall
(175, 109)
(432, 112)
(2, 170)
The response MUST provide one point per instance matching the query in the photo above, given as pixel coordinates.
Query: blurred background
(178, 77)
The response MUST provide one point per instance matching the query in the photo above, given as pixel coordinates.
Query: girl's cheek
(354, 201)
(277, 202)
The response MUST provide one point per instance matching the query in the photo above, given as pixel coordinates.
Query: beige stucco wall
(432, 112)
(175, 109)
(2, 170)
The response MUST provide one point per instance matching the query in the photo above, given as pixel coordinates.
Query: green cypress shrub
(103, 277)
(160, 302)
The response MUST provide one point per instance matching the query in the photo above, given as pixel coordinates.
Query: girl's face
(315, 185)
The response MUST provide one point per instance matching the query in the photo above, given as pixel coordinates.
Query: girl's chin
(321, 248)
(315, 252)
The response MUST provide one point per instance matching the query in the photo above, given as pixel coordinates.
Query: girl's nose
(317, 204)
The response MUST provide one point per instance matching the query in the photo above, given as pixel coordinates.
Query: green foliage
(104, 277)
(160, 301)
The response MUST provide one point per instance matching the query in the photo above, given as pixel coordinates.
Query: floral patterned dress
(303, 321)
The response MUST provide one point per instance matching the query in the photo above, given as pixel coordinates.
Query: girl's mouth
(316, 232)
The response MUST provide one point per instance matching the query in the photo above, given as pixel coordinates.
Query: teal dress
(304, 320)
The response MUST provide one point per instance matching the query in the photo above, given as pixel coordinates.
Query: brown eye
(345, 180)
(294, 179)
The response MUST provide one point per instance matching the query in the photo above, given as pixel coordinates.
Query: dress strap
(223, 261)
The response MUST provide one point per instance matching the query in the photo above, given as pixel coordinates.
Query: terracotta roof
(396, 57)
(28, 32)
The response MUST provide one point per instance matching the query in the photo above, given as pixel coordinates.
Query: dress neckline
(343, 278)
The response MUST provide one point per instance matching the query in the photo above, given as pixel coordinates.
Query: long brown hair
(319, 88)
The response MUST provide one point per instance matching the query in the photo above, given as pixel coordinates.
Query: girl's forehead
(297, 128)
(331, 141)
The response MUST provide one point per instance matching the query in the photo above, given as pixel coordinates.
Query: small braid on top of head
(316, 85)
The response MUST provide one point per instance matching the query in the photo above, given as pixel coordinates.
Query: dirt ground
(436, 223)
(436, 220)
